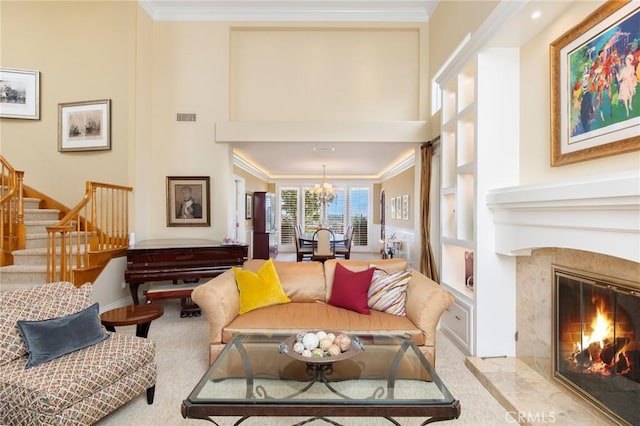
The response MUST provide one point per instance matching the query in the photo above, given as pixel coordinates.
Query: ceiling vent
(184, 116)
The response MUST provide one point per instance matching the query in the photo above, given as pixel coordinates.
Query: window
(359, 215)
(312, 211)
(288, 214)
(336, 212)
(349, 206)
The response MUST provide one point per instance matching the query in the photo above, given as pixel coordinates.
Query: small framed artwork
(247, 206)
(19, 93)
(393, 208)
(84, 126)
(188, 201)
(405, 207)
(595, 110)
(398, 207)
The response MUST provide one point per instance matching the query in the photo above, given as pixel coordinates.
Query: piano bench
(159, 291)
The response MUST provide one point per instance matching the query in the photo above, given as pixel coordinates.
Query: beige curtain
(427, 260)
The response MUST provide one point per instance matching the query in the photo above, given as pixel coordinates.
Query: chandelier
(324, 190)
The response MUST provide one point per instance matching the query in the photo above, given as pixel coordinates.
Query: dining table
(306, 240)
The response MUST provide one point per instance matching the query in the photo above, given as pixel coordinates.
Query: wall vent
(186, 116)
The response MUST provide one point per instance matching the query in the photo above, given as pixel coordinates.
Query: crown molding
(398, 168)
(395, 170)
(290, 10)
(250, 168)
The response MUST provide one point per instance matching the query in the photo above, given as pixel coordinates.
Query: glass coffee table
(389, 378)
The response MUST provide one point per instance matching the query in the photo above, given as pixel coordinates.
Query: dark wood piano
(178, 259)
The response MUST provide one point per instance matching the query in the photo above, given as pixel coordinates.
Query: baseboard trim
(125, 301)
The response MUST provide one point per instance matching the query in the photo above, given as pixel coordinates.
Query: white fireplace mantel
(600, 214)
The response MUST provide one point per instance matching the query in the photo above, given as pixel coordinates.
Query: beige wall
(188, 74)
(79, 59)
(252, 184)
(398, 186)
(141, 180)
(326, 74)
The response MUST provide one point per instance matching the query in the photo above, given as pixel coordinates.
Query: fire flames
(601, 352)
(601, 327)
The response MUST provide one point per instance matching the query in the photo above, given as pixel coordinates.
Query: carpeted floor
(182, 357)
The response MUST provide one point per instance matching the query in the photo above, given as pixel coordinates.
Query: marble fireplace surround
(590, 224)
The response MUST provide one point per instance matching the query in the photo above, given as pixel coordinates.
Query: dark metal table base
(319, 373)
(328, 420)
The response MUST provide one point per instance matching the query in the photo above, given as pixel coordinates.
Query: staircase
(30, 264)
(42, 240)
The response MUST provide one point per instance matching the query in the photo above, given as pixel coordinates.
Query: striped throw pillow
(388, 292)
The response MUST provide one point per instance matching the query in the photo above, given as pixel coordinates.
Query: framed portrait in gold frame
(188, 201)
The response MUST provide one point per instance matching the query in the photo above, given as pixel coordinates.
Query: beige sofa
(308, 285)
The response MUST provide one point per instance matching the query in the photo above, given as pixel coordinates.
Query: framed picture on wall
(19, 93)
(595, 110)
(188, 201)
(405, 207)
(398, 207)
(84, 126)
(248, 207)
(393, 208)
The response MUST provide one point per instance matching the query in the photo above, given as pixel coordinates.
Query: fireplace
(596, 331)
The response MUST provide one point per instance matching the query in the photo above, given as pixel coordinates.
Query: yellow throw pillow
(260, 289)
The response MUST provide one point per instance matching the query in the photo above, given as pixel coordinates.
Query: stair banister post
(21, 228)
(94, 243)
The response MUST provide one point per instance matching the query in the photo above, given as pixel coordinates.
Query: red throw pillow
(350, 289)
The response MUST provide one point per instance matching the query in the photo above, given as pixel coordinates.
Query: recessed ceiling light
(324, 149)
(536, 14)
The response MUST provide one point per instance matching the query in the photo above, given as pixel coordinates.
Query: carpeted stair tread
(41, 222)
(23, 268)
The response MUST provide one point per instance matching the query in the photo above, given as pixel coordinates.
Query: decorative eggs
(310, 341)
(325, 343)
(344, 342)
(334, 350)
(321, 344)
(298, 347)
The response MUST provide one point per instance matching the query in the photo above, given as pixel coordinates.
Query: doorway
(239, 213)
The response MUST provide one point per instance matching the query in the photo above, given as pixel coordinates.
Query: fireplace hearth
(596, 331)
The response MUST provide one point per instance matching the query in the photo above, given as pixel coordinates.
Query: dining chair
(343, 248)
(323, 245)
(302, 250)
(304, 242)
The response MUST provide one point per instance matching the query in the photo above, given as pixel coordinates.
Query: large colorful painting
(595, 70)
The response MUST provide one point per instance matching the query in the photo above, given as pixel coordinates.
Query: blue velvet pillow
(52, 338)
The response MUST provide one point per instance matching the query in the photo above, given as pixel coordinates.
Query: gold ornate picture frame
(595, 110)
